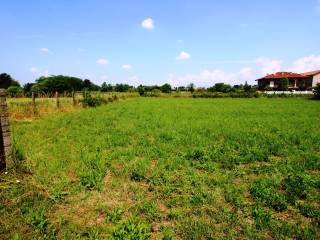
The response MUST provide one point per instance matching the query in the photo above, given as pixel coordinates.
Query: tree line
(48, 86)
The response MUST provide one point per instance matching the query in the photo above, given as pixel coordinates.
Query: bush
(283, 84)
(131, 229)
(89, 101)
(316, 91)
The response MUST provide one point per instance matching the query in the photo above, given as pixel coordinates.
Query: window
(271, 83)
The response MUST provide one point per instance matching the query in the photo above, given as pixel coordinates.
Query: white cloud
(127, 67)
(134, 80)
(305, 64)
(208, 78)
(147, 23)
(44, 50)
(39, 72)
(34, 70)
(269, 65)
(102, 61)
(183, 56)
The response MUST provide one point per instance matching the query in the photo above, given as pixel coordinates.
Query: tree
(27, 89)
(316, 91)
(122, 87)
(247, 87)
(90, 85)
(220, 87)
(283, 84)
(141, 90)
(6, 81)
(15, 91)
(191, 87)
(182, 88)
(106, 87)
(166, 88)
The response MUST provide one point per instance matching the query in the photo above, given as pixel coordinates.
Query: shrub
(316, 91)
(131, 229)
(265, 192)
(296, 187)
(283, 84)
(89, 101)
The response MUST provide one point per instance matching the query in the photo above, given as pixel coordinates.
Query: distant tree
(220, 87)
(316, 91)
(166, 88)
(15, 91)
(27, 87)
(87, 84)
(247, 87)
(191, 87)
(141, 90)
(6, 81)
(182, 88)
(122, 87)
(283, 84)
(106, 87)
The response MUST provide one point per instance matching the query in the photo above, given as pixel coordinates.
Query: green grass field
(167, 168)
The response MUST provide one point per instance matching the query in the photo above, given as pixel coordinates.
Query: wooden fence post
(73, 98)
(57, 100)
(33, 103)
(5, 145)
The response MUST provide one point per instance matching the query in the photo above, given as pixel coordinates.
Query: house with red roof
(297, 81)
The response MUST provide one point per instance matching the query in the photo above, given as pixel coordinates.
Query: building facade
(296, 81)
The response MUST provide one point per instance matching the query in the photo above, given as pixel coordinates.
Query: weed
(92, 171)
(296, 186)
(114, 215)
(149, 210)
(196, 229)
(261, 216)
(132, 229)
(37, 218)
(266, 192)
(308, 210)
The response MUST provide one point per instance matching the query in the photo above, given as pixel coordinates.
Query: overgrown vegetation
(167, 168)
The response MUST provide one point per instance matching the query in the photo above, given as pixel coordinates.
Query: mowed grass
(168, 169)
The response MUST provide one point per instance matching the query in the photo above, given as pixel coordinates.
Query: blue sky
(153, 42)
